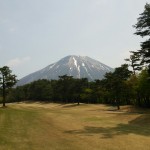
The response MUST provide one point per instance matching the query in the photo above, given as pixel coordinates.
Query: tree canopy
(7, 80)
(143, 29)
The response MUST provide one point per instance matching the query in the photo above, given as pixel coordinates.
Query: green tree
(143, 29)
(143, 89)
(65, 89)
(132, 85)
(87, 95)
(134, 61)
(38, 90)
(7, 80)
(116, 85)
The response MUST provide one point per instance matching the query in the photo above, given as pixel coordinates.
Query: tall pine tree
(143, 29)
(7, 80)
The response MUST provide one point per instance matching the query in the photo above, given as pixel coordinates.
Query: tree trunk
(118, 104)
(78, 102)
(3, 101)
(118, 107)
(4, 94)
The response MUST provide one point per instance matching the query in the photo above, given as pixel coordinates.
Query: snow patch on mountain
(75, 62)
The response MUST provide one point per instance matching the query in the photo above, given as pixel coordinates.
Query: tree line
(120, 87)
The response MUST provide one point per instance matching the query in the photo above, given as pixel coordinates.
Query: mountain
(76, 66)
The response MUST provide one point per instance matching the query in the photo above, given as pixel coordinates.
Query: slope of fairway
(39, 126)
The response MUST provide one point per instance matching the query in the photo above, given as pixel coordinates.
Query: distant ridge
(72, 65)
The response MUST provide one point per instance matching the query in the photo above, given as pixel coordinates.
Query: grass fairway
(38, 126)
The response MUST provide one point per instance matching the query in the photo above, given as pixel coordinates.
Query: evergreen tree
(143, 89)
(134, 61)
(143, 29)
(115, 84)
(7, 80)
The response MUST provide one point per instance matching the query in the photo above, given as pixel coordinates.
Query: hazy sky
(36, 33)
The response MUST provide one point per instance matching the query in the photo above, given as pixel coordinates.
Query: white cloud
(18, 61)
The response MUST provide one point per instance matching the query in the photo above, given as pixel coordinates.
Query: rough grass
(41, 126)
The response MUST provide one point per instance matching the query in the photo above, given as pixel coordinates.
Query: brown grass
(45, 126)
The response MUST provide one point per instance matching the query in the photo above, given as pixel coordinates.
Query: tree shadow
(3, 107)
(50, 102)
(138, 126)
(71, 105)
(74, 105)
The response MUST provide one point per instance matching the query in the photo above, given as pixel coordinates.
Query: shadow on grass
(3, 107)
(50, 102)
(38, 102)
(73, 105)
(138, 126)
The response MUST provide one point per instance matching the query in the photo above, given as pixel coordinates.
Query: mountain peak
(72, 65)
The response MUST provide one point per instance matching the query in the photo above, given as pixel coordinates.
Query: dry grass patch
(45, 126)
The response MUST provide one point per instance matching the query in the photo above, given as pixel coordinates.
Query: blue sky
(36, 33)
